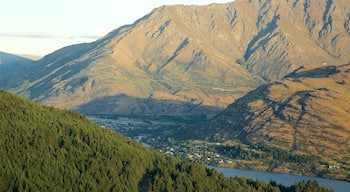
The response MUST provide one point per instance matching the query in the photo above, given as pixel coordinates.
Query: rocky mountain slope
(10, 63)
(306, 113)
(46, 149)
(202, 58)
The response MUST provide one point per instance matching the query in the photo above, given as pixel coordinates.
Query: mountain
(202, 58)
(307, 113)
(10, 63)
(46, 149)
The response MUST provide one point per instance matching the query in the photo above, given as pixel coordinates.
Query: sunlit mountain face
(189, 59)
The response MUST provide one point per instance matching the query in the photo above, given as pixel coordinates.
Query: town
(155, 135)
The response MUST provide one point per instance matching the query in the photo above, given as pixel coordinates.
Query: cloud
(47, 36)
(26, 35)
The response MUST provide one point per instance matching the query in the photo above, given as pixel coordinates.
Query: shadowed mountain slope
(10, 63)
(306, 113)
(202, 55)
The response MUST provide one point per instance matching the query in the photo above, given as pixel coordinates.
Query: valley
(44, 148)
(158, 133)
(250, 84)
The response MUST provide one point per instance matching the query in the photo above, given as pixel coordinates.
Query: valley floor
(155, 132)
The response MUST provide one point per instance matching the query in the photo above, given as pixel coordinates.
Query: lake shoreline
(284, 179)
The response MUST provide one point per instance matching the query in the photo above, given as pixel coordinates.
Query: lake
(284, 179)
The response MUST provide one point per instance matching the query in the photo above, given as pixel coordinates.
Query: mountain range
(188, 59)
(274, 72)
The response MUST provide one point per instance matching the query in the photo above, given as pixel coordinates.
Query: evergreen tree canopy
(47, 149)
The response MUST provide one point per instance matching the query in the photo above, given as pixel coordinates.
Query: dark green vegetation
(256, 155)
(45, 149)
(195, 59)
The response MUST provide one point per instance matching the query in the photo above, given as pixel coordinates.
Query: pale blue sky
(39, 27)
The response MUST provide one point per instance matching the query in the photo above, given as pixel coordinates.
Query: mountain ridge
(306, 113)
(10, 62)
(200, 55)
(31, 57)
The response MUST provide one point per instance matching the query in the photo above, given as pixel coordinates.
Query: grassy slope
(305, 114)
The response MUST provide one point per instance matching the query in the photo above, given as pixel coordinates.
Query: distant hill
(200, 57)
(31, 57)
(10, 63)
(46, 149)
(305, 114)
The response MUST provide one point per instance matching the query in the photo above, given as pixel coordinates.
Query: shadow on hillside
(131, 106)
(321, 72)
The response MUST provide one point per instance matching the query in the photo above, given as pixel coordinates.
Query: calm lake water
(284, 179)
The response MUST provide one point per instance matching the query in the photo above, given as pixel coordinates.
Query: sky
(39, 27)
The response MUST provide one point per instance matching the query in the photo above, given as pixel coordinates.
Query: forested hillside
(46, 149)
